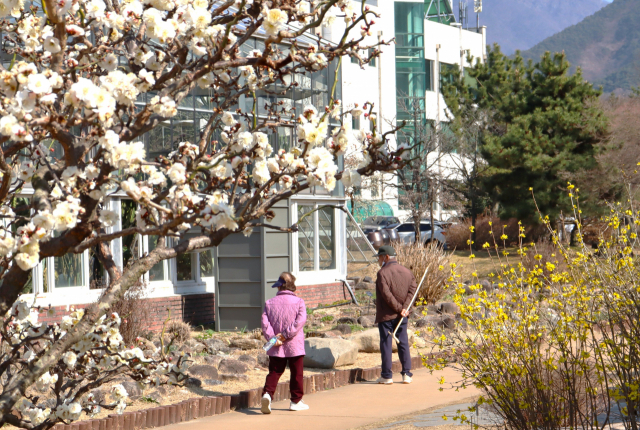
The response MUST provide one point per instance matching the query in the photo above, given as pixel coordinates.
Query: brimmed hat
(279, 283)
(387, 250)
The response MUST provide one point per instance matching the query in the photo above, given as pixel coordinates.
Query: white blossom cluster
(100, 353)
(88, 83)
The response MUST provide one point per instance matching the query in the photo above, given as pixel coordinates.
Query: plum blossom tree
(92, 77)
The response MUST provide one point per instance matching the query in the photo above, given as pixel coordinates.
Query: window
(447, 73)
(206, 264)
(316, 238)
(355, 123)
(429, 75)
(306, 238)
(405, 228)
(372, 63)
(354, 60)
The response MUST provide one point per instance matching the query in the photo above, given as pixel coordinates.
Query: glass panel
(157, 272)
(306, 238)
(326, 241)
(97, 278)
(183, 128)
(131, 243)
(183, 267)
(206, 264)
(283, 139)
(158, 140)
(69, 271)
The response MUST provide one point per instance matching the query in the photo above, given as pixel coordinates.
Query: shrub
(134, 311)
(568, 358)
(488, 227)
(178, 330)
(417, 258)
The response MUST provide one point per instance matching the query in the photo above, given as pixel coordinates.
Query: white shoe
(266, 404)
(300, 406)
(406, 379)
(385, 381)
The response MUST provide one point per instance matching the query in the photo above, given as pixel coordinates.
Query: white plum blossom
(274, 20)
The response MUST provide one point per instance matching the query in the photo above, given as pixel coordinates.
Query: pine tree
(544, 126)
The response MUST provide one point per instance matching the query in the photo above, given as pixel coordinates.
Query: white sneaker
(406, 379)
(300, 406)
(385, 381)
(266, 404)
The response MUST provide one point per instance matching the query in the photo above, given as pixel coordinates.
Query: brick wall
(322, 294)
(195, 309)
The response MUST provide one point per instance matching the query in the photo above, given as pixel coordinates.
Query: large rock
(133, 389)
(447, 308)
(249, 360)
(230, 365)
(437, 321)
(246, 344)
(216, 345)
(369, 340)
(367, 286)
(204, 371)
(263, 360)
(213, 360)
(344, 328)
(329, 353)
(347, 320)
(367, 321)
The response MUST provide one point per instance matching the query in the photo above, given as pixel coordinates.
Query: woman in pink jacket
(284, 316)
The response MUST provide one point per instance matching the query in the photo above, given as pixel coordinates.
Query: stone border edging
(201, 407)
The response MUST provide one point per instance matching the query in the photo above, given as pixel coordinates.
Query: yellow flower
(471, 228)
(504, 237)
(486, 245)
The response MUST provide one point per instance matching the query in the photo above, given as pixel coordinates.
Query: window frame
(310, 277)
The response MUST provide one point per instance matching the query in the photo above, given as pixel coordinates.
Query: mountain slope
(520, 24)
(605, 45)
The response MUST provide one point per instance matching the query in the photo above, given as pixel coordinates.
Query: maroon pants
(277, 365)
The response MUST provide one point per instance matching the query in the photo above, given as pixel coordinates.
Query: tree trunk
(416, 227)
(431, 219)
(474, 216)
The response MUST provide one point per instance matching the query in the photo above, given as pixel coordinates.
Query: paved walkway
(343, 408)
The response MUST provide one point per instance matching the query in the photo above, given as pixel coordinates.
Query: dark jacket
(395, 287)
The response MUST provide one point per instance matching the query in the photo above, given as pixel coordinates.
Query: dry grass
(418, 258)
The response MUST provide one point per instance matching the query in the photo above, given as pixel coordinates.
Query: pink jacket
(286, 314)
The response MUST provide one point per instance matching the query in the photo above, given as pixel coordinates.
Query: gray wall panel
(277, 243)
(281, 219)
(239, 269)
(274, 267)
(239, 293)
(238, 244)
(238, 318)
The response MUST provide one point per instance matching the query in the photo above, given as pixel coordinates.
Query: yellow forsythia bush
(557, 345)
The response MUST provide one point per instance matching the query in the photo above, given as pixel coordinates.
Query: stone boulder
(367, 279)
(366, 286)
(369, 340)
(133, 389)
(213, 360)
(437, 321)
(367, 321)
(329, 353)
(331, 334)
(216, 345)
(344, 328)
(447, 308)
(230, 365)
(263, 360)
(204, 371)
(249, 360)
(193, 383)
(347, 320)
(245, 343)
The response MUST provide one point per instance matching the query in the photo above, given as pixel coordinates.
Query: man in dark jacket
(395, 287)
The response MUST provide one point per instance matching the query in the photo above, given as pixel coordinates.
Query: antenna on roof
(463, 12)
(477, 8)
